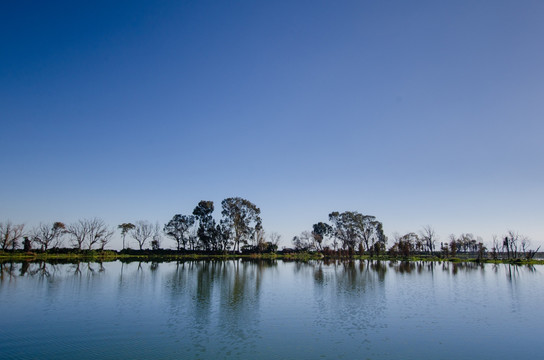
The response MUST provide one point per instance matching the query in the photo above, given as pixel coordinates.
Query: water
(270, 310)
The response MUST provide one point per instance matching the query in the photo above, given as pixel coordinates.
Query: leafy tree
(453, 246)
(405, 244)
(481, 251)
(178, 229)
(223, 236)
(353, 228)
(444, 249)
(373, 237)
(125, 228)
(271, 246)
(345, 227)
(466, 242)
(241, 218)
(206, 229)
(320, 231)
(381, 240)
(27, 244)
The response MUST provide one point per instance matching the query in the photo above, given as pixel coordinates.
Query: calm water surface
(271, 310)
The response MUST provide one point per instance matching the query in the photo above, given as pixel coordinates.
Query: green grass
(109, 255)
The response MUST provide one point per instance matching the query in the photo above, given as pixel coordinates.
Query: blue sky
(420, 112)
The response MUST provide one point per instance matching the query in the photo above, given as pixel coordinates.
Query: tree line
(240, 230)
(351, 232)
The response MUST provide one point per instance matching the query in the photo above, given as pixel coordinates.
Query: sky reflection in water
(270, 310)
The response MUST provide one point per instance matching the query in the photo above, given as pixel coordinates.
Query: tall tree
(125, 228)
(345, 228)
(380, 239)
(206, 224)
(179, 229)
(223, 234)
(371, 232)
(242, 218)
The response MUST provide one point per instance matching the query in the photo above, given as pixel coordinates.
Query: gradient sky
(416, 112)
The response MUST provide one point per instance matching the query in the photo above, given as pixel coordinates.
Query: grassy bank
(162, 255)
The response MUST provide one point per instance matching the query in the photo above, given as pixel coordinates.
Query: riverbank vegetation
(69, 255)
(239, 233)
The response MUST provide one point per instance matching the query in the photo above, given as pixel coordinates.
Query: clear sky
(416, 112)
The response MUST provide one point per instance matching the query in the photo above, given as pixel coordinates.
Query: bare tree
(10, 235)
(496, 247)
(303, 242)
(49, 236)
(517, 245)
(259, 239)
(98, 232)
(89, 232)
(511, 244)
(274, 239)
(105, 239)
(525, 243)
(429, 237)
(157, 237)
(78, 233)
(143, 230)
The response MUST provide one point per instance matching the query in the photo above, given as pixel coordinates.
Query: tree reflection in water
(221, 301)
(267, 309)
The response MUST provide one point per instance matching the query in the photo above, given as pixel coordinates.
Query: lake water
(271, 310)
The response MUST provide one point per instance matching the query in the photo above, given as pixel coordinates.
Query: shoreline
(149, 255)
